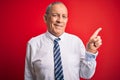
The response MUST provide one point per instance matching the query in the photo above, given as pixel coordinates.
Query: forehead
(59, 8)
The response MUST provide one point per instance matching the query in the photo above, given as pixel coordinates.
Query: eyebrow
(58, 13)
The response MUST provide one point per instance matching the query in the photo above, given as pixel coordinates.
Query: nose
(59, 19)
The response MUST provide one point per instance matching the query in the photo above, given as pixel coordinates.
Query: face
(57, 19)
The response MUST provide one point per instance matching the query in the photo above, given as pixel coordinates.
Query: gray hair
(50, 5)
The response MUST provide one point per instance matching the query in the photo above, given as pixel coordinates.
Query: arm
(88, 63)
(28, 75)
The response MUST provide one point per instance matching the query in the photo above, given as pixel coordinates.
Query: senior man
(57, 55)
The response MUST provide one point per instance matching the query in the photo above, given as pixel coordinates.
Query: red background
(22, 19)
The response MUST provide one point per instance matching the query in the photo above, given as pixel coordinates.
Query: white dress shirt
(76, 61)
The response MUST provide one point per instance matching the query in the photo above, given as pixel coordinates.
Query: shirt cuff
(91, 56)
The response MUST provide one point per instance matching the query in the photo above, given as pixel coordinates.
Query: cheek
(53, 20)
(50, 23)
(66, 21)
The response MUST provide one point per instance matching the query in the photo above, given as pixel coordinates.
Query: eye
(54, 15)
(64, 16)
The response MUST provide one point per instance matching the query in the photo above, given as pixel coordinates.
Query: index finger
(96, 32)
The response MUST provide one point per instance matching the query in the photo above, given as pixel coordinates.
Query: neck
(56, 35)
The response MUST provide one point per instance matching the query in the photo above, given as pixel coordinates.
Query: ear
(45, 18)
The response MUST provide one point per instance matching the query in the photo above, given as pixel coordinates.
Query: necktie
(58, 70)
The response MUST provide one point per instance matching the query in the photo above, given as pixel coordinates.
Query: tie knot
(57, 39)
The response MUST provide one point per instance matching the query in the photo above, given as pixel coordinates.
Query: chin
(58, 34)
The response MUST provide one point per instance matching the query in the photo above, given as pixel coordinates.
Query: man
(57, 55)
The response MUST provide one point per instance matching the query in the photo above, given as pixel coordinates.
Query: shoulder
(72, 37)
(36, 39)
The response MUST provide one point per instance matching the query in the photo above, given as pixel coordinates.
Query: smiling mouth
(58, 25)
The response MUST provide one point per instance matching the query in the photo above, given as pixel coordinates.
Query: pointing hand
(94, 42)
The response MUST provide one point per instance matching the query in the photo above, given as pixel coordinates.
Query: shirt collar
(52, 37)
